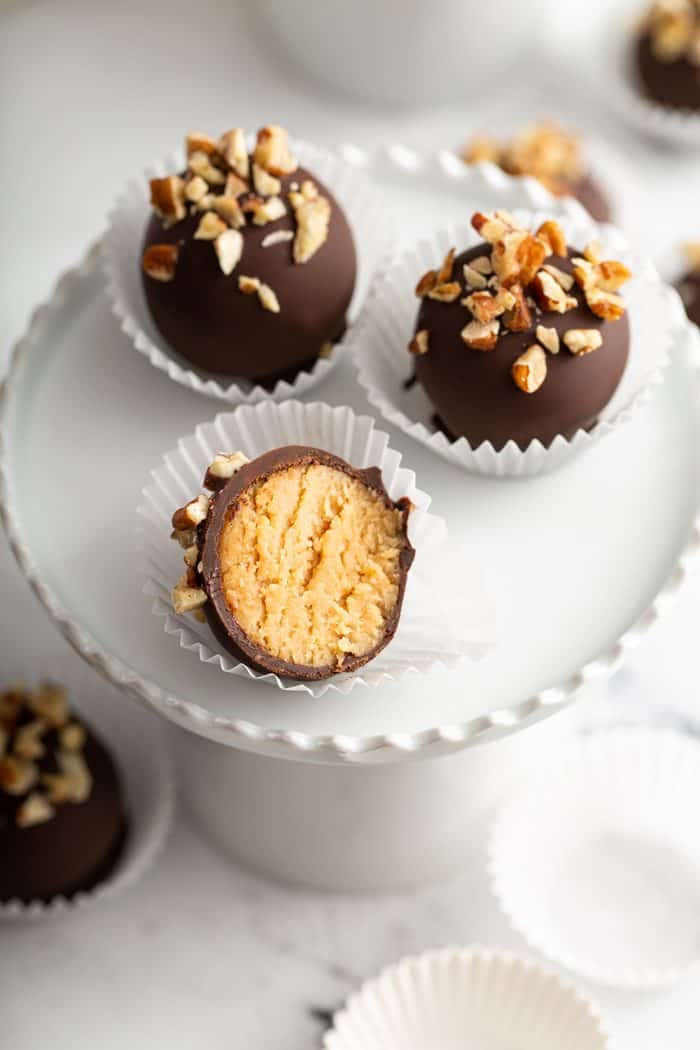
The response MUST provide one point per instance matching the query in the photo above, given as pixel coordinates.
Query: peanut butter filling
(310, 565)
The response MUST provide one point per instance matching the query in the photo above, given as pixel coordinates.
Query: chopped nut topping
(549, 337)
(472, 277)
(479, 336)
(566, 280)
(427, 283)
(168, 198)
(607, 305)
(517, 257)
(446, 293)
(186, 598)
(482, 264)
(446, 270)
(17, 775)
(198, 142)
(75, 769)
(160, 261)
(277, 237)
(268, 299)
(49, 704)
(191, 556)
(248, 285)
(672, 27)
(229, 248)
(550, 295)
(544, 150)
(235, 186)
(223, 467)
(593, 252)
(28, 742)
(264, 211)
(210, 226)
(599, 281)
(196, 188)
(583, 340)
(518, 318)
(272, 151)
(265, 184)
(419, 343)
(530, 369)
(232, 148)
(229, 209)
(200, 164)
(313, 215)
(189, 516)
(552, 234)
(185, 537)
(485, 307)
(34, 810)
(72, 737)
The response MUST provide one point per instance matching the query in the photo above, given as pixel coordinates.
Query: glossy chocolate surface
(474, 393)
(204, 317)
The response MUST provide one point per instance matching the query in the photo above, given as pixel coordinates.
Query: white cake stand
(608, 541)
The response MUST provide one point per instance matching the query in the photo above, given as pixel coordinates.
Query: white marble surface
(201, 954)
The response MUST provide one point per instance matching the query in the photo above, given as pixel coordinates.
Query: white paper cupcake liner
(381, 336)
(473, 997)
(617, 80)
(437, 628)
(121, 258)
(598, 864)
(135, 740)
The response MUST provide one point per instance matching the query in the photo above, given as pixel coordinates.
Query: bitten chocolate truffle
(668, 53)
(62, 820)
(298, 561)
(689, 285)
(248, 260)
(551, 155)
(520, 338)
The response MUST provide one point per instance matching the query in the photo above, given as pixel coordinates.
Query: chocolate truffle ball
(299, 561)
(549, 154)
(668, 54)
(62, 821)
(520, 338)
(248, 261)
(689, 285)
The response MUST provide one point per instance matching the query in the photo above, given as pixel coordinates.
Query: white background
(201, 954)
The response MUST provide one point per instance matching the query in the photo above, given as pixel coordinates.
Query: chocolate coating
(689, 288)
(73, 851)
(675, 84)
(474, 393)
(223, 505)
(202, 314)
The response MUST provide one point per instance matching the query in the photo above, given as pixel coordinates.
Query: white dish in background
(456, 999)
(121, 259)
(435, 630)
(597, 865)
(83, 414)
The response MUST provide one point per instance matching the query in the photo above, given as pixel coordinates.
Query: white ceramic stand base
(354, 828)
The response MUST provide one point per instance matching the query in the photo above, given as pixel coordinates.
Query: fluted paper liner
(135, 741)
(597, 864)
(382, 333)
(438, 627)
(121, 259)
(472, 997)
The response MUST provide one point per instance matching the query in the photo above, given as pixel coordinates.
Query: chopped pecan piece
(264, 211)
(268, 299)
(232, 148)
(168, 199)
(550, 295)
(272, 151)
(200, 164)
(419, 343)
(228, 209)
(198, 142)
(607, 305)
(210, 226)
(223, 467)
(426, 283)
(582, 340)
(566, 280)
(196, 188)
(265, 184)
(519, 317)
(548, 337)
(235, 186)
(189, 516)
(160, 261)
(35, 809)
(530, 369)
(473, 278)
(229, 248)
(313, 215)
(185, 597)
(480, 336)
(445, 293)
(554, 237)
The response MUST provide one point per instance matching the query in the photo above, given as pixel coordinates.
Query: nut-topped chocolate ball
(689, 285)
(668, 53)
(549, 154)
(520, 338)
(298, 561)
(248, 261)
(62, 821)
